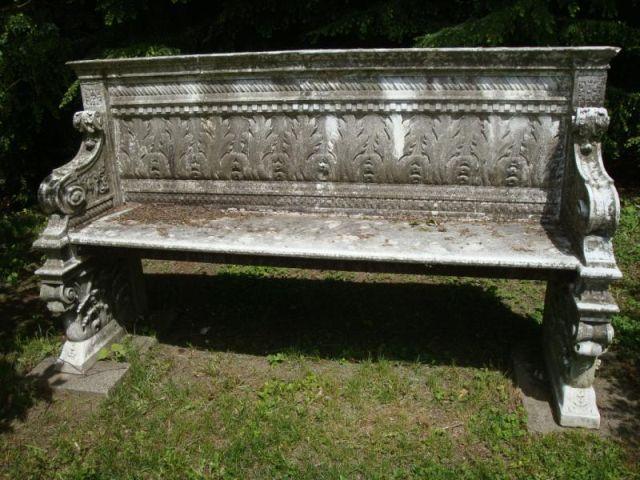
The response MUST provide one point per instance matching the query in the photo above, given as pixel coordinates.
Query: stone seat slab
(419, 240)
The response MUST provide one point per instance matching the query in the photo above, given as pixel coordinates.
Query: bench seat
(523, 245)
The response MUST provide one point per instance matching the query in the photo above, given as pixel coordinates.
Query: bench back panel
(450, 149)
(456, 132)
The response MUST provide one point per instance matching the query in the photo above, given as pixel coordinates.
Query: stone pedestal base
(78, 357)
(574, 407)
(101, 379)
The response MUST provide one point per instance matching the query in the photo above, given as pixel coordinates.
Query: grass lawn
(273, 373)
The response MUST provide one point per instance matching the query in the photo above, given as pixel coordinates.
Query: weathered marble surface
(493, 143)
(333, 237)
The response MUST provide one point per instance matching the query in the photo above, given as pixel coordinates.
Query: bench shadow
(459, 324)
(22, 315)
(465, 325)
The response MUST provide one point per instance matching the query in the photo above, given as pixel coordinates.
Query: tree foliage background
(38, 93)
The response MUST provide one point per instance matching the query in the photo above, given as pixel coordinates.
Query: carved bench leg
(93, 296)
(577, 331)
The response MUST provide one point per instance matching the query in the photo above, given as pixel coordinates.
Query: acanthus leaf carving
(413, 164)
(446, 144)
(214, 142)
(494, 146)
(308, 143)
(161, 151)
(234, 164)
(322, 163)
(513, 169)
(463, 168)
(540, 148)
(494, 150)
(369, 164)
(260, 144)
(278, 163)
(352, 143)
(186, 163)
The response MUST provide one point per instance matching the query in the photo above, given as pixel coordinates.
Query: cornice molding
(296, 61)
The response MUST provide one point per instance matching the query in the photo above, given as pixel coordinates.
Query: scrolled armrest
(597, 200)
(65, 190)
(590, 204)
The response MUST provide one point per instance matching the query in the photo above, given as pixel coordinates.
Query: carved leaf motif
(464, 168)
(277, 164)
(444, 149)
(214, 142)
(156, 150)
(125, 144)
(444, 143)
(302, 141)
(260, 143)
(413, 165)
(163, 160)
(322, 164)
(514, 169)
(95, 182)
(234, 164)
(370, 165)
(134, 145)
(94, 297)
(187, 162)
(352, 142)
(493, 147)
(540, 148)
(144, 144)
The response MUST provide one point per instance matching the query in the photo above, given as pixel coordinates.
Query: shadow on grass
(22, 316)
(442, 324)
(464, 325)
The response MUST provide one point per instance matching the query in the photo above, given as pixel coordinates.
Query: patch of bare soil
(618, 388)
(44, 418)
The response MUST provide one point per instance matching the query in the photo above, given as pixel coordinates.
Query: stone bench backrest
(470, 132)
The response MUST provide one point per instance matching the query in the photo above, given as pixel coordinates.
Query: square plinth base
(549, 403)
(79, 357)
(100, 379)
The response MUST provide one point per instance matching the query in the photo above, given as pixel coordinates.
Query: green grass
(627, 249)
(274, 373)
(17, 230)
(321, 419)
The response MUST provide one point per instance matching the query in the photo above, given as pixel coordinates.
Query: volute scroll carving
(89, 300)
(591, 203)
(68, 188)
(578, 328)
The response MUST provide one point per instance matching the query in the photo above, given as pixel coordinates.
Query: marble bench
(481, 162)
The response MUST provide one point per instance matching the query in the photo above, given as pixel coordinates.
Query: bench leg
(93, 296)
(577, 330)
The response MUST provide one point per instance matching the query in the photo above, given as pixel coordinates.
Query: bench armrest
(84, 181)
(590, 204)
